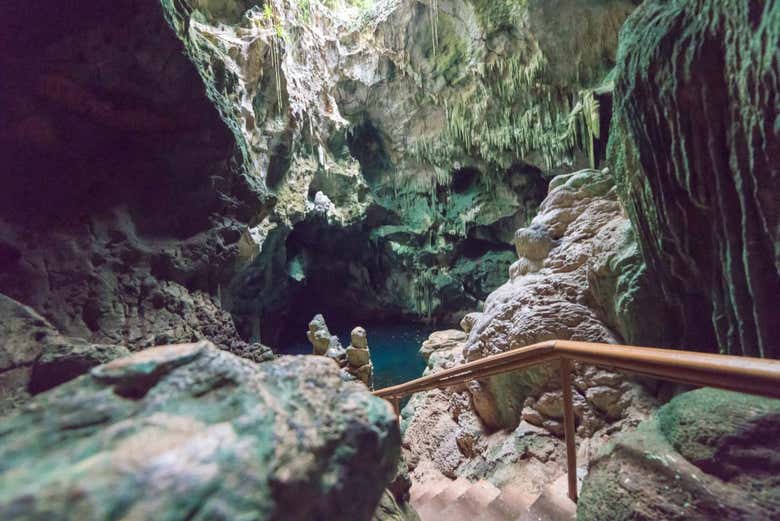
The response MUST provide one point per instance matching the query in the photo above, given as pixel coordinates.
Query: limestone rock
(707, 454)
(321, 339)
(134, 250)
(337, 130)
(395, 503)
(607, 400)
(358, 338)
(192, 432)
(35, 357)
(468, 321)
(575, 238)
(359, 357)
(64, 360)
(694, 124)
(533, 243)
(442, 341)
(582, 215)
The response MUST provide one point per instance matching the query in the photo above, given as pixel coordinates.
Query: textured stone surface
(508, 428)
(696, 148)
(120, 212)
(192, 432)
(35, 357)
(404, 142)
(442, 341)
(581, 226)
(708, 454)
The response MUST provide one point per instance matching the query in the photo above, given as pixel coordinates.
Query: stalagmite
(359, 358)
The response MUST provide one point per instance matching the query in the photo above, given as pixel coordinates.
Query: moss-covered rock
(192, 432)
(707, 454)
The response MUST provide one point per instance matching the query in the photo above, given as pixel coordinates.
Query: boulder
(35, 357)
(442, 341)
(707, 454)
(192, 432)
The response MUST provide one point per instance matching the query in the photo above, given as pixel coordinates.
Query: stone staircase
(461, 500)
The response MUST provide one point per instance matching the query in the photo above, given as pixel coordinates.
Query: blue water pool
(394, 350)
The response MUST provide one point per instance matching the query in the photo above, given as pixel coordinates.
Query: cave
(403, 260)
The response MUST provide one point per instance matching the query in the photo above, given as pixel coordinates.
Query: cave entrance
(338, 272)
(341, 273)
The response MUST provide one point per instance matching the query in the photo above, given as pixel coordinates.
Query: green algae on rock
(707, 454)
(192, 432)
(694, 148)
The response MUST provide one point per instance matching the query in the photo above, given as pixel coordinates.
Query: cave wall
(695, 148)
(362, 119)
(121, 209)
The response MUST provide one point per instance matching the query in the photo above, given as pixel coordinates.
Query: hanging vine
(434, 16)
(276, 40)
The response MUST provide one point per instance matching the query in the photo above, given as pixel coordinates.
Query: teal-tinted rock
(707, 454)
(695, 151)
(191, 432)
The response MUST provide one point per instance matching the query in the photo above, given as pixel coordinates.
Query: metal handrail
(735, 373)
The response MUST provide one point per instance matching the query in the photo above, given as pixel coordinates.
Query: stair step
(459, 510)
(432, 508)
(421, 493)
(553, 504)
(513, 501)
(481, 494)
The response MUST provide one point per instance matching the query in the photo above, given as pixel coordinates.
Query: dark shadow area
(366, 145)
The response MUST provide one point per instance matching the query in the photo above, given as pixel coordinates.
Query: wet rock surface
(193, 432)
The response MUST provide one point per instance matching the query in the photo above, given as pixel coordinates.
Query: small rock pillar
(359, 357)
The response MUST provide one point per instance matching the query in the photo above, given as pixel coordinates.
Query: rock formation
(355, 360)
(192, 432)
(707, 454)
(695, 150)
(442, 341)
(34, 356)
(120, 210)
(323, 342)
(508, 428)
(403, 143)
(359, 357)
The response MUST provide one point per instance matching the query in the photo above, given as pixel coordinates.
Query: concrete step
(481, 494)
(431, 508)
(553, 504)
(421, 493)
(513, 501)
(461, 500)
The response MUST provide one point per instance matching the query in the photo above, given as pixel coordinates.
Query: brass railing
(735, 373)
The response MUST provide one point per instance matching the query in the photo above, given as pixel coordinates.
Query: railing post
(568, 428)
(396, 407)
